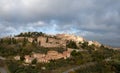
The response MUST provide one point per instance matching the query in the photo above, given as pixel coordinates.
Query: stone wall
(52, 42)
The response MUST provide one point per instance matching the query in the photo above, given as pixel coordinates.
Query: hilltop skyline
(92, 19)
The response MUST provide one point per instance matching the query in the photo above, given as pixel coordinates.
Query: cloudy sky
(93, 19)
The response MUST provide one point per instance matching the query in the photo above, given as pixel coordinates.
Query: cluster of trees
(72, 44)
(7, 52)
(31, 34)
(77, 58)
(84, 45)
(116, 67)
(102, 54)
(100, 67)
(76, 54)
(17, 67)
(8, 41)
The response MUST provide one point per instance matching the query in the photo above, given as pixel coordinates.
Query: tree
(25, 40)
(71, 44)
(74, 53)
(34, 61)
(22, 58)
(39, 43)
(1, 40)
(14, 41)
(47, 40)
(33, 43)
(84, 45)
(98, 56)
(9, 41)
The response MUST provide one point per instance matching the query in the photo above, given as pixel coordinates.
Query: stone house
(17, 57)
(28, 59)
(94, 42)
(53, 55)
(90, 42)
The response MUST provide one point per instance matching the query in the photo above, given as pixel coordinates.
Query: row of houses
(94, 43)
(45, 58)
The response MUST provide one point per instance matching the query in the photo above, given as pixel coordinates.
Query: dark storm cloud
(93, 19)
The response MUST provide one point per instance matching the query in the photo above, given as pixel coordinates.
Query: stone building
(94, 43)
(28, 59)
(45, 58)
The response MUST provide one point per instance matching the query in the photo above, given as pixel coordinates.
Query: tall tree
(47, 40)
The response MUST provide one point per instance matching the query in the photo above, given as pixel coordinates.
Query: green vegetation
(105, 60)
(77, 59)
(101, 67)
(47, 40)
(102, 54)
(34, 61)
(97, 68)
(17, 67)
(71, 44)
(84, 45)
(31, 34)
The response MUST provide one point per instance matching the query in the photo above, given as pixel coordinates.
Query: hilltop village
(48, 41)
(37, 52)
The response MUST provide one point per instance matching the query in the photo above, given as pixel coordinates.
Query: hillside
(37, 52)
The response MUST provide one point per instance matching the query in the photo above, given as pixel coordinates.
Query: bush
(34, 61)
(72, 44)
